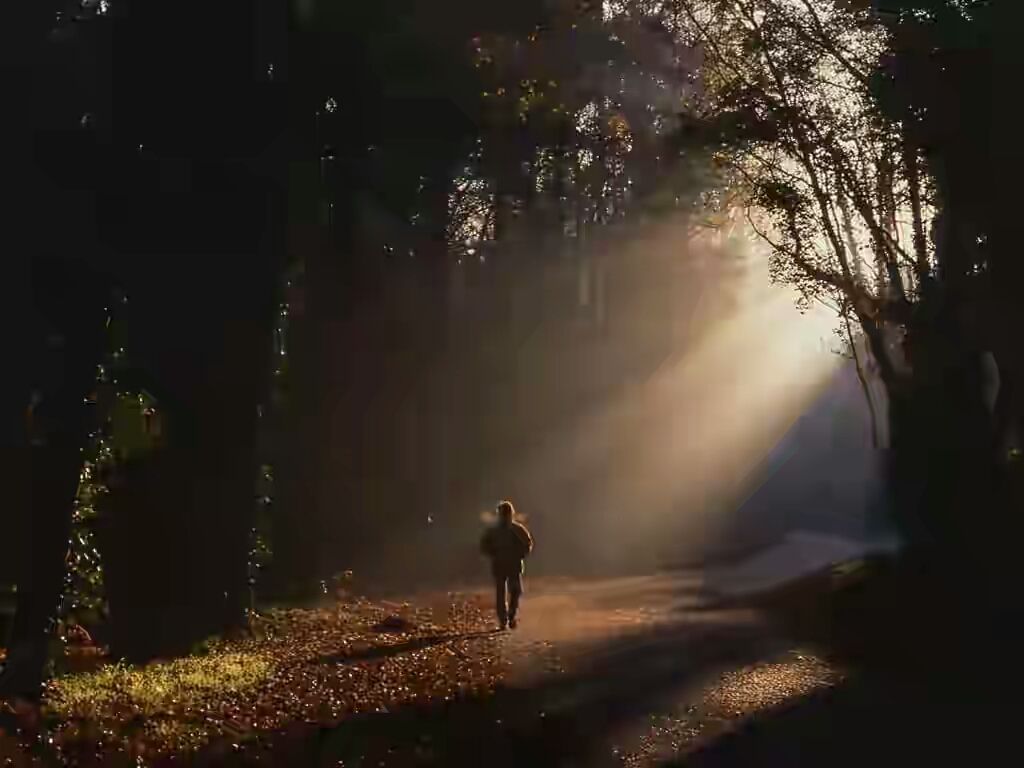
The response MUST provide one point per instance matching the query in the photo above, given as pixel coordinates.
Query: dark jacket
(506, 546)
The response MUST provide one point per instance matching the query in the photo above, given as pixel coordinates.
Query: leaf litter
(301, 665)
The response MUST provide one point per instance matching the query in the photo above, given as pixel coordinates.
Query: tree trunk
(57, 296)
(912, 165)
(67, 351)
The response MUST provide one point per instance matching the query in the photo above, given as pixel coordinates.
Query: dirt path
(604, 673)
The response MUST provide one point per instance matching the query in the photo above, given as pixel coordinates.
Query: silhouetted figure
(507, 543)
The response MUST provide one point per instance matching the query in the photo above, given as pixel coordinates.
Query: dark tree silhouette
(163, 171)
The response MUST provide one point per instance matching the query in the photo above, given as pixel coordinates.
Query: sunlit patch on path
(738, 694)
(761, 687)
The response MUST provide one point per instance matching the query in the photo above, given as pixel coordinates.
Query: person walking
(507, 544)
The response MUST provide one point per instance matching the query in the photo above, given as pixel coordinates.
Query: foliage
(261, 552)
(271, 413)
(575, 120)
(127, 427)
(828, 180)
(470, 209)
(85, 593)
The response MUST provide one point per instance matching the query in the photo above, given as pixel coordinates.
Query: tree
(820, 166)
(394, 139)
(155, 170)
(575, 117)
(840, 190)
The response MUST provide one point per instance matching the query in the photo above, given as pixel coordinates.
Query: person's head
(506, 512)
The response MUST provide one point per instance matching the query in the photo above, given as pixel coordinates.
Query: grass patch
(160, 688)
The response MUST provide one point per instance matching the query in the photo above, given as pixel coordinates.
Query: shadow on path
(855, 724)
(926, 664)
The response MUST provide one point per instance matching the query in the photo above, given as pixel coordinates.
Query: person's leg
(515, 588)
(502, 609)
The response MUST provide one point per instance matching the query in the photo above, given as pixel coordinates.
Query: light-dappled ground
(642, 668)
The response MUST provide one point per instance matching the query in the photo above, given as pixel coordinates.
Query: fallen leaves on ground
(760, 687)
(737, 694)
(307, 665)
